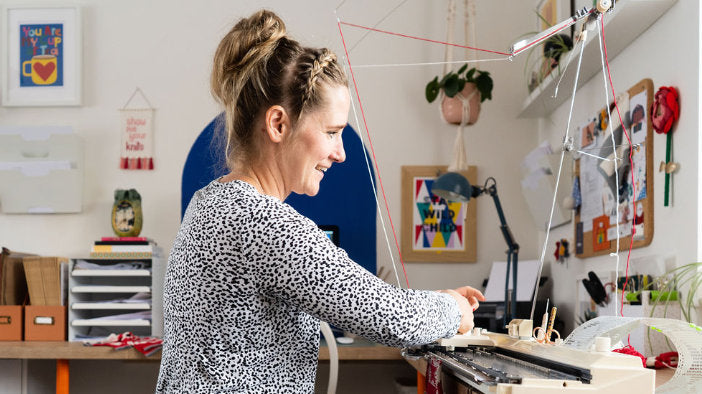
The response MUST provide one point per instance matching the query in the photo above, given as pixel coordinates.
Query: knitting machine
(518, 363)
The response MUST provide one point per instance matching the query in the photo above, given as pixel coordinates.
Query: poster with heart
(41, 54)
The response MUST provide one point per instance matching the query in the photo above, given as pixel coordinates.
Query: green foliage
(587, 315)
(668, 283)
(667, 290)
(454, 82)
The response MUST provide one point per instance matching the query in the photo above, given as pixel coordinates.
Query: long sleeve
(249, 278)
(309, 271)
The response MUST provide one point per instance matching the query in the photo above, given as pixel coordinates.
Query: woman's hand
(467, 299)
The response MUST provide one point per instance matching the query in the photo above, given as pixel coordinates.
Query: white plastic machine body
(499, 363)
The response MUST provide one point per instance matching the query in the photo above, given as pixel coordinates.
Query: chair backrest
(345, 198)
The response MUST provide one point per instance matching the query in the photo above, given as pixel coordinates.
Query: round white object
(344, 340)
(603, 344)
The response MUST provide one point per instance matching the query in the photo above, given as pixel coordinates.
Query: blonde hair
(258, 65)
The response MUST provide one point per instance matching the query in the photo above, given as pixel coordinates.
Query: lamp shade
(452, 186)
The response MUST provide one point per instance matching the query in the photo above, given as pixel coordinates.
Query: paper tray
(41, 176)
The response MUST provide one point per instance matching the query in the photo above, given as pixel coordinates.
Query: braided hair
(257, 65)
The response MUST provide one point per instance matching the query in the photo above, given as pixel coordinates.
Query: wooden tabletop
(360, 350)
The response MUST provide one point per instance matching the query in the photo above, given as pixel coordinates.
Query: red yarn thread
(632, 352)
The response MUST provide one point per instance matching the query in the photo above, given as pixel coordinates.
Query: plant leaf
(462, 69)
(432, 90)
(451, 85)
(445, 78)
(469, 74)
(461, 84)
(484, 83)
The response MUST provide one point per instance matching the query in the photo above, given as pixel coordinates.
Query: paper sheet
(685, 337)
(526, 279)
(591, 186)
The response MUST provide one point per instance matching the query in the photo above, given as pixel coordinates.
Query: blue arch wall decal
(345, 198)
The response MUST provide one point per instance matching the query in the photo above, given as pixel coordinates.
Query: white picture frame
(41, 55)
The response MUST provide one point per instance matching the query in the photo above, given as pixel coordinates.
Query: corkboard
(413, 177)
(644, 205)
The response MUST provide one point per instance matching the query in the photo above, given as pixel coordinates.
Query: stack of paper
(122, 247)
(13, 286)
(46, 278)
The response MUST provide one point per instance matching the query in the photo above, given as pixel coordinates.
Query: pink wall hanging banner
(136, 125)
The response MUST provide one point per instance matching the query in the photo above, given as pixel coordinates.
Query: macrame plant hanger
(458, 161)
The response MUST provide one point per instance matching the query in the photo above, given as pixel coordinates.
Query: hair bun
(263, 28)
(247, 46)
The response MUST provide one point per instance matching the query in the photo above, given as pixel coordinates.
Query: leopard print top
(247, 282)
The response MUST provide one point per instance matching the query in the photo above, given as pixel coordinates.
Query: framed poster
(433, 229)
(41, 56)
(547, 14)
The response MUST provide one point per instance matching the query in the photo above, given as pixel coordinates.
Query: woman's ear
(277, 123)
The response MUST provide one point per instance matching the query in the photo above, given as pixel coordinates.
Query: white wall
(165, 48)
(406, 130)
(667, 53)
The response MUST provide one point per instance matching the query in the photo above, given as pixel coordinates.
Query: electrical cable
(375, 191)
(631, 163)
(370, 143)
(429, 63)
(422, 39)
(616, 158)
(558, 179)
(376, 25)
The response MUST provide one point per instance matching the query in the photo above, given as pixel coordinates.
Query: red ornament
(665, 109)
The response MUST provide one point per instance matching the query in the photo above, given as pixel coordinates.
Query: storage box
(44, 323)
(10, 322)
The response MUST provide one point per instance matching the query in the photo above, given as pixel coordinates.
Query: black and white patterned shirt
(247, 282)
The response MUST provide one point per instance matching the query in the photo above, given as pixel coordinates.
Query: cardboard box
(13, 286)
(11, 322)
(44, 323)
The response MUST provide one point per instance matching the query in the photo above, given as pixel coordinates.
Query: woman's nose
(339, 154)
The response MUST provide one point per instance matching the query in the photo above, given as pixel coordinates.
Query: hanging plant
(464, 90)
(454, 82)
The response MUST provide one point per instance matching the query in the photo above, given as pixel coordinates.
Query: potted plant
(664, 292)
(473, 86)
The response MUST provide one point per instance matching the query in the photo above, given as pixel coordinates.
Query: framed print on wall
(41, 56)
(433, 229)
(547, 14)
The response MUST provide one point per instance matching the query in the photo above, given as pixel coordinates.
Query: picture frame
(41, 55)
(548, 14)
(432, 230)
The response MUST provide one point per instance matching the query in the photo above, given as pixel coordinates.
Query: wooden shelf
(360, 351)
(622, 26)
(67, 351)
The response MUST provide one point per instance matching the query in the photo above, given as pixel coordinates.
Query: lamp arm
(506, 232)
(490, 188)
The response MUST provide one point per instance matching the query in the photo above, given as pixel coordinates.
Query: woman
(249, 278)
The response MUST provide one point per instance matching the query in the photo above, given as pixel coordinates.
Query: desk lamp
(453, 186)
